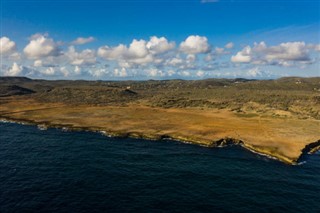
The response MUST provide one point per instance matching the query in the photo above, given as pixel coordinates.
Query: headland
(279, 118)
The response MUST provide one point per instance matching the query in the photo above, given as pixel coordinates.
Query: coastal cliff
(285, 129)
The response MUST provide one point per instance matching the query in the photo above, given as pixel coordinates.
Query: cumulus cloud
(159, 45)
(292, 51)
(200, 73)
(191, 58)
(179, 62)
(41, 46)
(82, 40)
(7, 46)
(283, 54)
(136, 50)
(98, 72)
(174, 61)
(254, 72)
(154, 72)
(77, 70)
(220, 51)
(244, 56)
(156, 57)
(52, 71)
(112, 53)
(317, 47)
(184, 73)
(230, 45)
(85, 57)
(49, 71)
(139, 52)
(15, 70)
(68, 71)
(195, 44)
(43, 63)
(209, 57)
(37, 63)
(120, 72)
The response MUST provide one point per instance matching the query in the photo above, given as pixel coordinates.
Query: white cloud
(68, 71)
(254, 72)
(139, 52)
(82, 40)
(185, 63)
(120, 72)
(259, 47)
(159, 45)
(154, 72)
(185, 73)
(48, 71)
(64, 71)
(257, 73)
(15, 56)
(77, 70)
(230, 45)
(44, 63)
(191, 58)
(209, 57)
(284, 54)
(37, 63)
(41, 46)
(156, 57)
(85, 57)
(292, 51)
(195, 44)
(137, 49)
(15, 70)
(171, 72)
(244, 56)
(112, 53)
(219, 51)
(315, 47)
(98, 73)
(7, 46)
(136, 52)
(200, 73)
(174, 61)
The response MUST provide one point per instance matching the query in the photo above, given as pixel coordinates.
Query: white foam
(42, 127)
(259, 153)
(301, 163)
(11, 121)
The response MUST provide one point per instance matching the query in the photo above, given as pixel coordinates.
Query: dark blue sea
(57, 171)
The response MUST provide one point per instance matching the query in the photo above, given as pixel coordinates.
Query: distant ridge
(14, 80)
(9, 90)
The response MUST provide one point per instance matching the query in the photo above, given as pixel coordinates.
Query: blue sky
(190, 39)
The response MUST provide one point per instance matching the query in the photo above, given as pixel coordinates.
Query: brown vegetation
(275, 117)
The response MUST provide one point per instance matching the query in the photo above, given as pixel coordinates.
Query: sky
(159, 39)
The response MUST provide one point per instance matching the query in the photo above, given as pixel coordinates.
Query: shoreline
(310, 148)
(275, 118)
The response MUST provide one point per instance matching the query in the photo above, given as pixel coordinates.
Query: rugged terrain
(280, 118)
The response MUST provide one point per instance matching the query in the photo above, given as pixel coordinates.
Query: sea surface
(59, 171)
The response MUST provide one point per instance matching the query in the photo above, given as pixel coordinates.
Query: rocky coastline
(311, 148)
(278, 118)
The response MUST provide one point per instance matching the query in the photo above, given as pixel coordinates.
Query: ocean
(60, 171)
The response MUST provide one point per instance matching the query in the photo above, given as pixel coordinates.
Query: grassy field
(275, 117)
